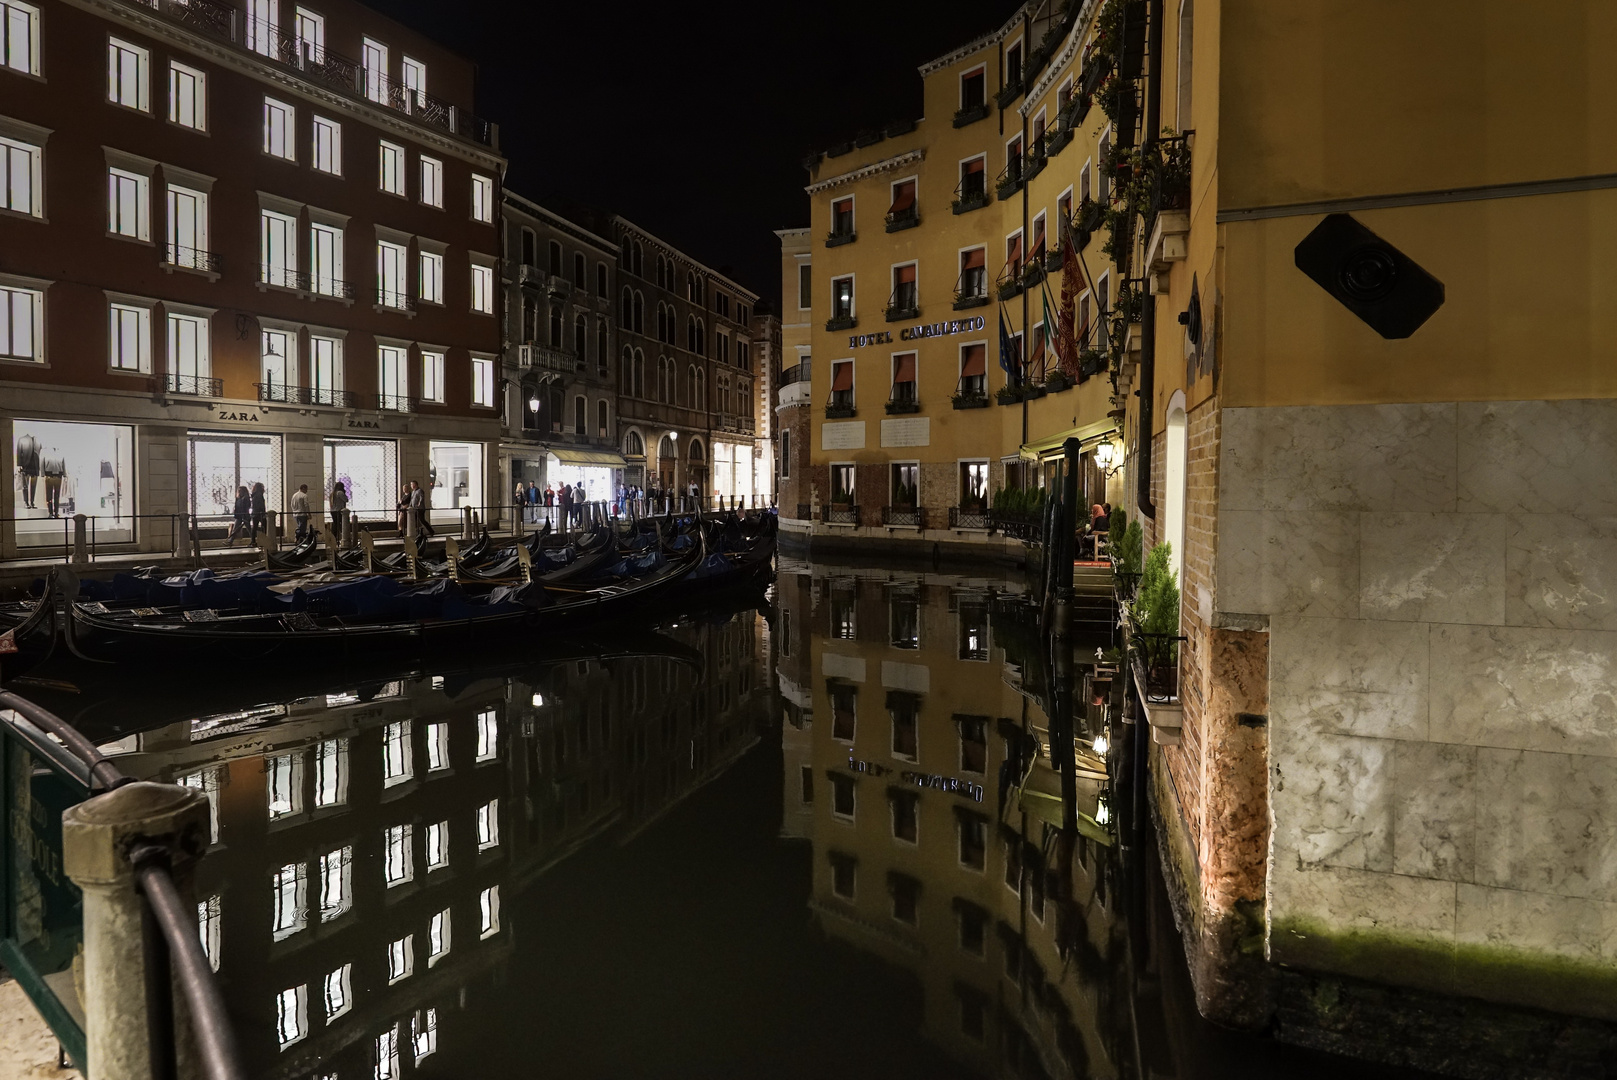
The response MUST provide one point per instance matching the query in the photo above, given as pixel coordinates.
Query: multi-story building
(239, 245)
(793, 428)
(685, 371)
(766, 364)
(959, 339)
(560, 395)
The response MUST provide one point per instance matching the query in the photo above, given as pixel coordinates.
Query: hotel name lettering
(966, 788)
(916, 333)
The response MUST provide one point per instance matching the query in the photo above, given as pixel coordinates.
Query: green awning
(1034, 451)
(601, 459)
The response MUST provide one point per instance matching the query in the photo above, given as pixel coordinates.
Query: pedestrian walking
(260, 512)
(300, 512)
(240, 515)
(339, 510)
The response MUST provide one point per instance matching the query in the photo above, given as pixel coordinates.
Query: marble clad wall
(1440, 582)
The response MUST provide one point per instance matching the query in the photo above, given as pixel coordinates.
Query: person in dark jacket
(243, 513)
(260, 513)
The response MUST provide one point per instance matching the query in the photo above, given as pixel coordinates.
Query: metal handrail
(216, 1040)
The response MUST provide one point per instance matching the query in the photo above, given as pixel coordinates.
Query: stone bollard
(97, 836)
(81, 539)
(272, 531)
(468, 530)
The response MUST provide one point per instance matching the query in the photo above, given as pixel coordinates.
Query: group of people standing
(251, 516)
(534, 505)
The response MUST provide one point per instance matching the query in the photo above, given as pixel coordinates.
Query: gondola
(359, 617)
(739, 565)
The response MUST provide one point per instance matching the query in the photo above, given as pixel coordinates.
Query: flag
(1052, 340)
(1009, 362)
(1067, 345)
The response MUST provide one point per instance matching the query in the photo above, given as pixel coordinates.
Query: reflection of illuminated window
(973, 832)
(906, 823)
(904, 710)
(973, 743)
(331, 773)
(292, 1015)
(399, 866)
(285, 783)
(290, 886)
(844, 618)
(973, 924)
(973, 632)
(400, 959)
(437, 840)
(489, 907)
(843, 713)
(843, 874)
(339, 992)
(904, 621)
(208, 928)
(808, 784)
(438, 937)
(488, 825)
(906, 894)
(437, 747)
(398, 765)
(842, 798)
(487, 729)
(424, 1029)
(336, 883)
(387, 1054)
(207, 782)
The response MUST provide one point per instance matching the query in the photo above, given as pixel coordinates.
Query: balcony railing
(838, 410)
(913, 517)
(903, 401)
(742, 425)
(204, 16)
(1009, 180)
(971, 290)
(187, 258)
(971, 194)
(282, 277)
(968, 517)
(796, 373)
(841, 322)
(970, 114)
(904, 219)
(803, 511)
(306, 395)
(902, 305)
(838, 237)
(548, 358)
(193, 385)
(839, 514)
(970, 399)
(1010, 281)
(336, 288)
(397, 403)
(397, 301)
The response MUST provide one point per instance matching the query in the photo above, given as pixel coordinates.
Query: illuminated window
(390, 168)
(432, 389)
(128, 201)
(19, 37)
(437, 747)
(398, 763)
(438, 937)
(128, 71)
(280, 130)
(284, 779)
(432, 181)
(339, 992)
(336, 883)
(483, 199)
(437, 842)
(129, 338)
(401, 959)
(331, 773)
(424, 1032)
(432, 276)
(399, 866)
(483, 381)
(488, 902)
(208, 928)
(487, 733)
(327, 146)
(207, 782)
(290, 889)
(292, 1015)
(387, 1054)
(488, 825)
(483, 288)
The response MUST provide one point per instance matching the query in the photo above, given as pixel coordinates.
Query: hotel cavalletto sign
(915, 333)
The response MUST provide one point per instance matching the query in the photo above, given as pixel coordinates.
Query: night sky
(692, 119)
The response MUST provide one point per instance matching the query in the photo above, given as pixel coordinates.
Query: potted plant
(1155, 615)
(1058, 381)
(1007, 395)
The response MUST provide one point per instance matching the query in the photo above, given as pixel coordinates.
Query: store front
(218, 463)
(62, 469)
(369, 472)
(454, 478)
(733, 472)
(599, 471)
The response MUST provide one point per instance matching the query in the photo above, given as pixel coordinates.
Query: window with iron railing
(841, 223)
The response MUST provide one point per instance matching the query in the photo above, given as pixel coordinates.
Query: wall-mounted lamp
(1103, 813)
(533, 404)
(1105, 454)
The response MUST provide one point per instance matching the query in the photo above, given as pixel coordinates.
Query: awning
(1033, 451)
(976, 259)
(905, 275)
(1013, 251)
(903, 197)
(603, 459)
(976, 361)
(842, 376)
(906, 368)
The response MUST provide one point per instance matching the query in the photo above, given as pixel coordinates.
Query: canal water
(786, 842)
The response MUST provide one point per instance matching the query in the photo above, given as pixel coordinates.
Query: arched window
(580, 269)
(701, 337)
(600, 418)
(554, 398)
(639, 373)
(626, 372)
(555, 326)
(639, 260)
(690, 333)
(600, 280)
(1174, 462)
(665, 449)
(530, 247)
(634, 445)
(639, 312)
(700, 399)
(600, 342)
(530, 318)
(578, 415)
(628, 308)
(690, 387)
(555, 258)
(690, 286)
(581, 333)
(696, 450)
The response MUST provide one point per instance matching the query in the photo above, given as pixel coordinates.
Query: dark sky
(692, 119)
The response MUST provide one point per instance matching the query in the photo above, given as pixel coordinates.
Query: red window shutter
(903, 197)
(1013, 251)
(842, 377)
(975, 259)
(906, 368)
(905, 275)
(974, 166)
(976, 360)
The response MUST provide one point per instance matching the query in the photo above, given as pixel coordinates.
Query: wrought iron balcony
(901, 307)
(282, 277)
(971, 114)
(193, 385)
(971, 194)
(839, 514)
(335, 288)
(186, 258)
(740, 425)
(904, 516)
(397, 301)
(397, 403)
(1009, 180)
(968, 517)
(970, 399)
(307, 395)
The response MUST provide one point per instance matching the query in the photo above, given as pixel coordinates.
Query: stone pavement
(27, 1047)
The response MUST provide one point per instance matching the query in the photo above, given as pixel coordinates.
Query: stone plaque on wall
(907, 431)
(845, 435)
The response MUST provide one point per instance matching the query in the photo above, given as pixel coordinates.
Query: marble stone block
(1525, 687)
(1362, 901)
(1333, 798)
(1338, 457)
(1550, 823)
(1538, 456)
(1536, 923)
(1293, 562)
(1434, 798)
(1348, 677)
(1561, 570)
(1425, 567)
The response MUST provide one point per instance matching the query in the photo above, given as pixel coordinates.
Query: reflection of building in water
(370, 849)
(894, 775)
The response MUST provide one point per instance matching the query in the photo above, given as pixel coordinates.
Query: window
(432, 277)
(336, 883)
(284, 785)
(973, 187)
(488, 903)
(1013, 254)
(437, 842)
(331, 758)
(432, 376)
(483, 381)
(390, 174)
(843, 800)
(339, 992)
(973, 743)
(327, 146)
(280, 129)
(554, 250)
(483, 288)
(432, 182)
(600, 280)
(373, 58)
(844, 875)
(311, 36)
(387, 1054)
(190, 352)
(399, 865)
(483, 200)
(278, 235)
(424, 1032)
(127, 75)
(842, 384)
(401, 959)
(188, 228)
(1186, 49)
(437, 747)
(415, 81)
(974, 491)
(903, 210)
(19, 37)
(906, 894)
(209, 929)
(187, 96)
(600, 418)
(973, 275)
(906, 817)
(438, 937)
(973, 833)
(292, 1015)
(972, 925)
(844, 696)
(290, 889)
(263, 26)
(842, 298)
(974, 369)
(1103, 189)
(974, 89)
(905, 293)
(579, 270)
(398, 763)
(488, 825)
(904, 709)
(207, 782)
(805, 286)
(393, 386)
(129, 338)
(904, 393)
(488, 730)
(325, 259)
(842, 219)
(391, 275)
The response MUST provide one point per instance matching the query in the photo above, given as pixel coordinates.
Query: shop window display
(456, 476)
(369, 472)
(219, 464)
(62, 469)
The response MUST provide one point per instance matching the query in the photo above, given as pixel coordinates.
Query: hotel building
(238, 245)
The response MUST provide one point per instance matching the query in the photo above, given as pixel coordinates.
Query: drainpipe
(1148, 306)
(1027, 155)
